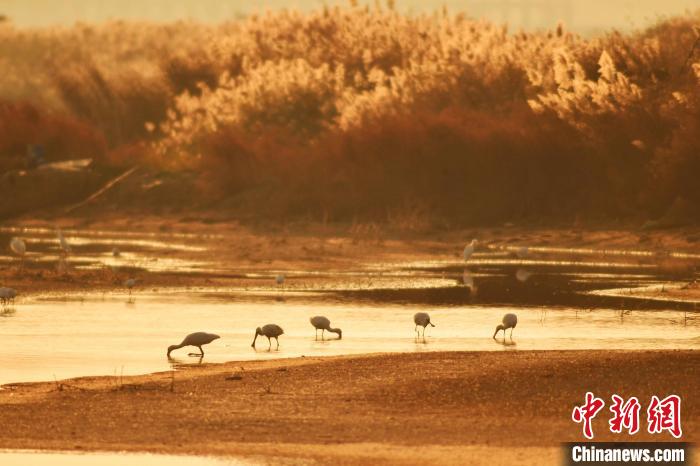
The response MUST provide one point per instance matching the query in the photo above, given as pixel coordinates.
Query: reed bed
(366, 112)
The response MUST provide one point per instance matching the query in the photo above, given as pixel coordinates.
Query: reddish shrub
(63, 137)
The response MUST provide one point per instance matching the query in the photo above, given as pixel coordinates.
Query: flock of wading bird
(421, 319)
(270, 331)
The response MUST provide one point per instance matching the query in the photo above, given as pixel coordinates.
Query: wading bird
(197, 339)
(18, 247)
(422, 319)
(65, 247)
(523, 275)
(7, 295)
(279, 279)
(129, 284)
(322, 323)
(116, 252)
(270, 331)
(469, 250)
(509, 322)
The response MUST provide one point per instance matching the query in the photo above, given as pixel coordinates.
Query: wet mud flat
(482, 408)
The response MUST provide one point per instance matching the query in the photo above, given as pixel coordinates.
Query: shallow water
(92, 249)
(565, 299)
(39, 458)
(60, 338)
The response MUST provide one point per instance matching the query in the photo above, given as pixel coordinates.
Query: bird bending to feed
(422, 319)
(469, 250)
(7, 295)
(509, 322)
(17, 246)
(197, 339)
(322, 323)
(270, 331)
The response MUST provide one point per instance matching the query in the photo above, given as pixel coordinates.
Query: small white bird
(509, 322)
(323, 323)
(270, 331)
(279, 279)
(422, 319)
(65, 247)
(522, 275)
(18, 246)
(197, 339)
(469, 249)
(7, 295)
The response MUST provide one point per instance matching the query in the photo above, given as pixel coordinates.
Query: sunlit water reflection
(60, 338)
(566, 298)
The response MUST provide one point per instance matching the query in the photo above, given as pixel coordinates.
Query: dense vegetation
(361, 112)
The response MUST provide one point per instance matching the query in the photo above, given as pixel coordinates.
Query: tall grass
(358, 112)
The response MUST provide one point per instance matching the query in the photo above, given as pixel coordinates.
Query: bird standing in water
(197, 339)
(422, 319)
(522, 275)
(469, 250)
(7, 295)
(18, 246)
(63, 243)
(509, 322)
(129, 284)
(323, 323)
(270, 331)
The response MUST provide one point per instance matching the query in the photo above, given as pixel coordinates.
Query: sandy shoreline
(512, 407)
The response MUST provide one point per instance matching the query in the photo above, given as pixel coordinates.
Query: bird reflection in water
(177, 363)
(506, 343)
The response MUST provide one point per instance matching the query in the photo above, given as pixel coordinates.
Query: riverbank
(512, 407)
